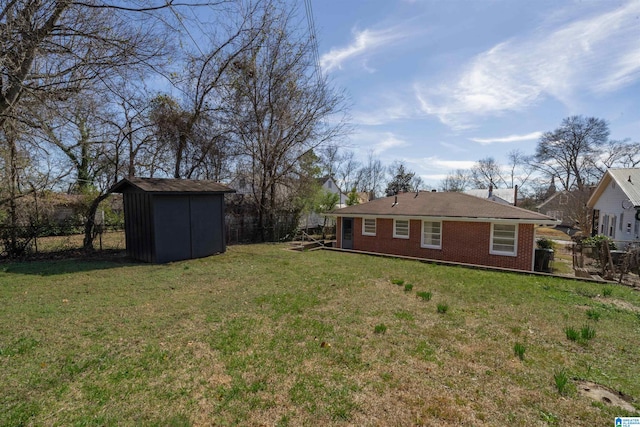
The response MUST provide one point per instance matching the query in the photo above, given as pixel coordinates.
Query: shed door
(206, 229)
(172, 234)
(347, 233)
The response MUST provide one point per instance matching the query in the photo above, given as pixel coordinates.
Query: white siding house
(616, 206)
(315, 219)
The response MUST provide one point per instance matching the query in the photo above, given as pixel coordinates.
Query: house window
(329, 183)
(401, 228)
(432, 234)
(556, 214)
(612, 226)
(504, 238)
(369, 227)
(621, 220)
(564, 199)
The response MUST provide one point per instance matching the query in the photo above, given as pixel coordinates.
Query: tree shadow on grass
(64, 262)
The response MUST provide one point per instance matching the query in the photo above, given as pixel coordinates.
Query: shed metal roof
(451, 205)
(168, 185)
(627, 179)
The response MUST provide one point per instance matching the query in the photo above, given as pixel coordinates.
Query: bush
(596, 242)
(544, 243)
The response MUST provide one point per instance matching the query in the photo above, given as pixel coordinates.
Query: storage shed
(172, 219)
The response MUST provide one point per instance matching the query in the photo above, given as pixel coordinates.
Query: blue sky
(441, 84)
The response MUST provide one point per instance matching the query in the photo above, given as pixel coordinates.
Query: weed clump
(425, 296)
(519, 349)
(561, 379)
(380, 329)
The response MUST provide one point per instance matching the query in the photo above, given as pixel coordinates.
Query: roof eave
(541, 221)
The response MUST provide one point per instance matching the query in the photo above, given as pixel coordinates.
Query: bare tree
(570, 152)
(623, 153)
(456, 181)
(520, 170)
(371, 177)
(278, 108)
(487, 172)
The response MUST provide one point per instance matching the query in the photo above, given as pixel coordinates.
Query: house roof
(445, 205)
(552, 197)
(507, 195)
(627, 179)
(165, 185)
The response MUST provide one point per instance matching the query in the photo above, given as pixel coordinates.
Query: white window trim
(375, 227)
(399, 236)
(423, 244)
(515, 241)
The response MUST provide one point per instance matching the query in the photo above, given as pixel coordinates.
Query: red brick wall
(466, 242)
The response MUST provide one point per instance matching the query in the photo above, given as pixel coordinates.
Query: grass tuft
(571, 333)
(593, 314)
(561, 379)
(380, 329)
(443, 308)
(587, 333)
(398, 282)
(408, 287)
(519, 349)
(607, 291)
(424, 296)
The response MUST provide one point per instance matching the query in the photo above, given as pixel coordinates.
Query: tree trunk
(90, 226)
(12, 250)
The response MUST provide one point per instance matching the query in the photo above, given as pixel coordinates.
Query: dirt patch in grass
(600, 393)
(619, 304)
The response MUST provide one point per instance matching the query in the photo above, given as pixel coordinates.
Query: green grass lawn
(265, 336)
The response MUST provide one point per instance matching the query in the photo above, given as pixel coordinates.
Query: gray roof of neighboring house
(167, 185)
(506, 194)
(627, 179)
(443, 205)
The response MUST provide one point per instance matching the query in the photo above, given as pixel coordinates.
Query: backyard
(262, 335)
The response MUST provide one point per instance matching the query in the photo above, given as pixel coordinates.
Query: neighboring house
(453, 227)
(561, 206)
(506, 196)
(615, 204)
(315, 219)
(172, 219)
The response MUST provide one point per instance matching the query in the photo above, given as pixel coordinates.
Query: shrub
(545, 243)
(596, 242)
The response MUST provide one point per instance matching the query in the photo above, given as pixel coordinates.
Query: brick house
(452, 227)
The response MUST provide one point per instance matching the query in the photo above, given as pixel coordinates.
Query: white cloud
(598, 54)
(434, 162)
(453, 147)
(364, 42)
(511, 138)
(388, 142)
